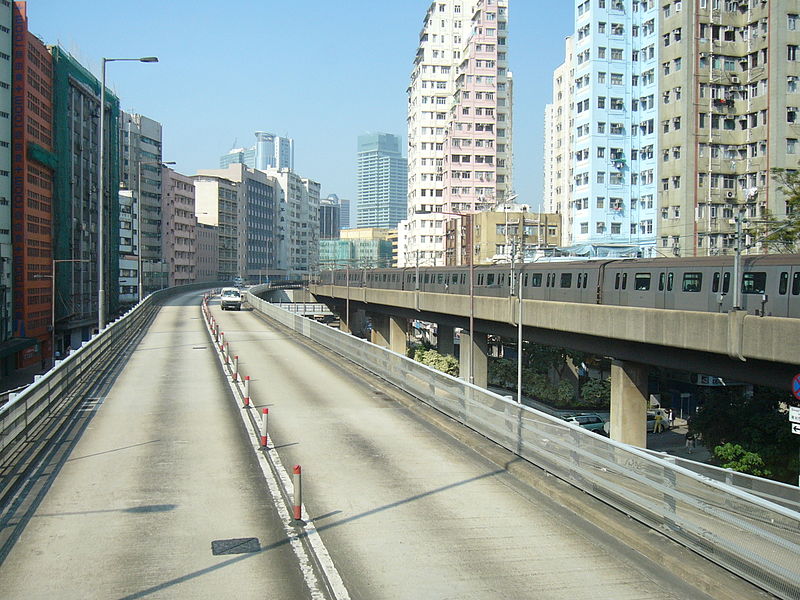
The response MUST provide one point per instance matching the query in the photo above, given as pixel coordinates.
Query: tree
(784, 236)
(757, 422)
(733, 456)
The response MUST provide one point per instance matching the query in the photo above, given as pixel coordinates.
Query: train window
(783, 285)
(490, 279)
(726, 283)
(715, 283)
(624, 281)
(480, 279)
(661, 277)
(536, 280)
(692, 282)
(670, 280)
(641, 282)
(454, 279)
(566, 280)
(585, 280)
(463, 278)
(501, 280)
(754, 282)
(796, 284)
(616, 282)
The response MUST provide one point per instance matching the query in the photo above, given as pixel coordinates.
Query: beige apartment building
(729, 99)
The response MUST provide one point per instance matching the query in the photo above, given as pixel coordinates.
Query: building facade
(76, 247)
(128, 249)
(30, 190)
(217, 205)
(459, 122)
(207, 258)
(140, 170)
(382, 181)
(179, 224)
(329, 212)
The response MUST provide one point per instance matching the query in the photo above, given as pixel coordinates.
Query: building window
(791, 52)
(791, 146)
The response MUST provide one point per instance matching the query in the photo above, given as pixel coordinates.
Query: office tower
(179, 223)
(558, 145)
(345, 212)
(459, 122)
(76, 125)
(728, 98)
(382, 178)
(329, 210)
(259, 231)
(141, 171)
(269, 151)
(26, 205)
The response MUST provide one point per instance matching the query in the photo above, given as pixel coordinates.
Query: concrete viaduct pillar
(629, 403)
(389, 332)
(477, 346)
(444, 343)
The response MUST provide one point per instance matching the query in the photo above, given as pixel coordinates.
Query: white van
(230, 297)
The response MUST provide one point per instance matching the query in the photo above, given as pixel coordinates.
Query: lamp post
(101, 293)
(139, 278)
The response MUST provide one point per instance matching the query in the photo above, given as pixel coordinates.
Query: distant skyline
(321, 73)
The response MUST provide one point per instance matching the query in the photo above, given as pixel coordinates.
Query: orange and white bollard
(247, 391)
(298, 493)
(264, 419)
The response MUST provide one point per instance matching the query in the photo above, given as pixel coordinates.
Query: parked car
(589, 421)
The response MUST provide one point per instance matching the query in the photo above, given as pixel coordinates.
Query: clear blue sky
(318, 71)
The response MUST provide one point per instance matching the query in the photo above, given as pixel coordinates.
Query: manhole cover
(235, 546)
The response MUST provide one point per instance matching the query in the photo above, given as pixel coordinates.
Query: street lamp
(139, 278)
(101, 293)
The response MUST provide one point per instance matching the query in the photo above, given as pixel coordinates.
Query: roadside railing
(757, 539)
(33, 416)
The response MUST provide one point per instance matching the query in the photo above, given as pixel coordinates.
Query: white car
(230, 298)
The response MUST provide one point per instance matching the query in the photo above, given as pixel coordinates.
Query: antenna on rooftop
(233, 147)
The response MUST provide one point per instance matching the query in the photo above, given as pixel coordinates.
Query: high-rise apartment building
(382, 178)
(681, 111)
(558, 144)
(140, 170)
(298, 210)
(729, 96)
(27, 203)
(217, 205)
(459, 122)
(269, 152)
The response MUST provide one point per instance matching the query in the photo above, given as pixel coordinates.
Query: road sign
(794, 414)
(796, 386)
(796, 428)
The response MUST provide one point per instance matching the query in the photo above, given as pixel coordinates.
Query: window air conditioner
(729, 194)
(734, 79)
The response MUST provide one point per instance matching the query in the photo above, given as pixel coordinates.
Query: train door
(666, 286)
(794, 293)
(779, 292)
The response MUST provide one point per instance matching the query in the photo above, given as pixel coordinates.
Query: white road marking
(309, 529)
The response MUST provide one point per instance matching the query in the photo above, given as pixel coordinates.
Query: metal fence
(755, 538)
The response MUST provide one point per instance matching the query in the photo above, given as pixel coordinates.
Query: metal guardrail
(757, 539)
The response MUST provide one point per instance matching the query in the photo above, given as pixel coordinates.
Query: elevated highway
(159, 468)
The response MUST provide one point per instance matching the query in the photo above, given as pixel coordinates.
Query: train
(770, 284)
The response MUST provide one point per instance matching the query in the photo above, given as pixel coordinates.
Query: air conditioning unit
(734, 79)
(729, 195)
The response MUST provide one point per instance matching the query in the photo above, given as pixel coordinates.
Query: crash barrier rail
(754, 538)
(773, 491)
(33, 417)
(316, 308)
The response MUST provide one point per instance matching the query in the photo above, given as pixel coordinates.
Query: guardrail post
(298, 493)
(247, 391)
(226, 353)
(264, 419)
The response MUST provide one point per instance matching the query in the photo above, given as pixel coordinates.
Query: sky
(318, 71)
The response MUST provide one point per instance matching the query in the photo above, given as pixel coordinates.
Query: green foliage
(596, 393)
(757, 422)
(441, 362)
(733, 456)
(784, 236)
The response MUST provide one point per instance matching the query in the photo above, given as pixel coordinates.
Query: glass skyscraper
(382, 181)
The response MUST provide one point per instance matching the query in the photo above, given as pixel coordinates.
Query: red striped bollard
(227, 353)
(221, 340)
(247, 391)
(236, 367)
(264, 419)
(298, 493)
